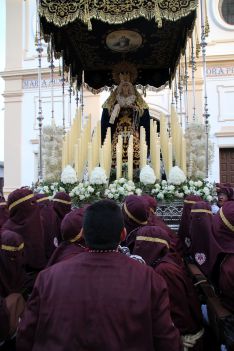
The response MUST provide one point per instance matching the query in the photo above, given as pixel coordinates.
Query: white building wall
(220, 83)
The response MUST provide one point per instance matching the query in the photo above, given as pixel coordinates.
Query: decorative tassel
(59, 69)
(157, 15)
(198, 46)
(89, 25)
(207, 26)
(49, 52)
(87, 19)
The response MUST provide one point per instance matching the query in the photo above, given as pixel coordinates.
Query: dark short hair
(103, 223)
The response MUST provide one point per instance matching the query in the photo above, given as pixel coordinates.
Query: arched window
(226, 8)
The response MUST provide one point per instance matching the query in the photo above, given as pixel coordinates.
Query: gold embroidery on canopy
(114, 12)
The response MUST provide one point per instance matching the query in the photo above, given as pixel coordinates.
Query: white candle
(130, 158)
(90, 158)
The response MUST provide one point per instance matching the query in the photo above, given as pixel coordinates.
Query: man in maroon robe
(61, 206)
(225, 193)
(73, 242)
(204, 248)
(99, 299)
(48, 219)
(135, 214)
(25, 220)
(224, 234)
(155, 220)
(4, 213)
(5, 321)
(12, 274)
(184, 242)
(153, 246)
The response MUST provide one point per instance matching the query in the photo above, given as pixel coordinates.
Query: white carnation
(176, 176)
(98, 176)
(90, 189)
(147, 175)
(209, 198)
(138, 191)
(160, 196)
(121, 190)
(68, 175)
(206, 190)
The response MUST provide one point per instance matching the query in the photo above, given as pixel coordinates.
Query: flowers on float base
(68, 175)
(98, 188)
(83, 191)
(176, 176)
(147, 175)
(121, 188)
(98, 176)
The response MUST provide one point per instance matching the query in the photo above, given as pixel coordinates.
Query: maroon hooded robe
(224, 227)
(25, 220)
(184, 242)
(204, 248)
(12, 275)
(61, 206)
(226, 282)
(73, 243)
(48, 221)
(135, 214)
(157, 221)
(152, 244)
(5, 322)
(224, 234)
(4, 213)
(226, 189)
(98, 301)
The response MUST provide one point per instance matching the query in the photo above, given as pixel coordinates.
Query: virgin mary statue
(125, 111)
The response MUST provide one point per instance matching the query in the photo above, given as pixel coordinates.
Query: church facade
(21, 94)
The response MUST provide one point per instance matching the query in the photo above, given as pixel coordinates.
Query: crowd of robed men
(109, 278)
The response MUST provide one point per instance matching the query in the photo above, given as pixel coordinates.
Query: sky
(2, 65)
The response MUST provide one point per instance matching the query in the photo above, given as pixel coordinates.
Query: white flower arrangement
(83, 191)
(86, 191)
(121, 188)
(98, 176)
(176, 176)
(147, 175)
(68, 175)
(167, 191)
(49, 189)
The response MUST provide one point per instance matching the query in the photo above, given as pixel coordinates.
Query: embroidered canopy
(96, 35)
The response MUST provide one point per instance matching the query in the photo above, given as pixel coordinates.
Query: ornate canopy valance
(96, 35)
(62, 12)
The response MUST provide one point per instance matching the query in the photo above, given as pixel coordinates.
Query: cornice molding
(12, 95)
(21, 73)
(225, 134)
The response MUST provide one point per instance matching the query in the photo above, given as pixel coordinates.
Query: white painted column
(13, 95)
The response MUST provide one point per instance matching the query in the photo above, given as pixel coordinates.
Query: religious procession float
(127, 48)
